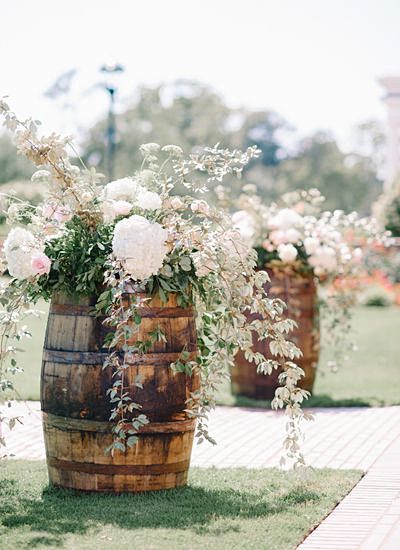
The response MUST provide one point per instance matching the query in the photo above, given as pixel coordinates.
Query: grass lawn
(236, 508)
(370, 377)
(28, 382)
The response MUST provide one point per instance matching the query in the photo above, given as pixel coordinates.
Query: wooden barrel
(300, 295)
(76, 407)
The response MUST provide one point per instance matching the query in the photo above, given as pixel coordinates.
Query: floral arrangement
(296, 236)
(93, 239)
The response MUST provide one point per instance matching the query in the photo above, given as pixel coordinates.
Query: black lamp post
(111, 70)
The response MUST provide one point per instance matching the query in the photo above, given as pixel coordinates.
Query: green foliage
(78, 258)
(177, 276)
(225, 508)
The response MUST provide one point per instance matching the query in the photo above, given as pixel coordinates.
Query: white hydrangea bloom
(19, 248)
(148, 200)
(286, 219)
(287, 253)
(121, 195)
(124, 189)
(113, 209)
(140, 245)
(311, 244)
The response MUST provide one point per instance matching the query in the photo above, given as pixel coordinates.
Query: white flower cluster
(140, 245)
(120, 196)
(25, 255)
(322, 238)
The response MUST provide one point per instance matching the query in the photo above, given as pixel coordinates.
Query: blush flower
(148, 200)
(40, 263)
(24, 255)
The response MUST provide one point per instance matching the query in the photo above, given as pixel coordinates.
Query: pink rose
(40, 263)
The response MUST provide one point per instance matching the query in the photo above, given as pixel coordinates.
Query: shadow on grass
(62, 512)
(322, 400)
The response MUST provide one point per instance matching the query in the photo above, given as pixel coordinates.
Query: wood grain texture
(76, 407)
(300, 295)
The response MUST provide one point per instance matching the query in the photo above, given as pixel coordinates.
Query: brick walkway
(361, 438)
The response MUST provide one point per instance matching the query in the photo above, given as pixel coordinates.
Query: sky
(315, 62)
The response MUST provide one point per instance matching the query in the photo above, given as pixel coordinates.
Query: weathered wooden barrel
(300, 295)
(76, 407)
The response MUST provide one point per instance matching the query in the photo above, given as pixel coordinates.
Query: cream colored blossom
(113, 209)
(287, 253)
(173, 150)
(149, 148)
(20, 247)
(140, 245)
(285, 219)
(123, 189)
(311, 244)
(148, 200)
